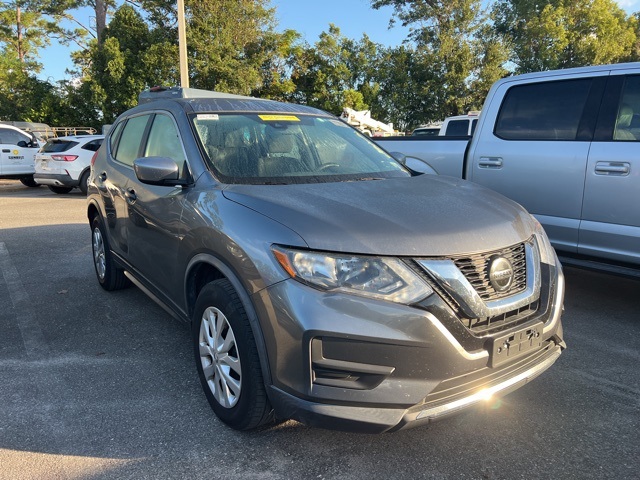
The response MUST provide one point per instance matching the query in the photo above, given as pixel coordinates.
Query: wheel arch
(205, 268)
(92, 211)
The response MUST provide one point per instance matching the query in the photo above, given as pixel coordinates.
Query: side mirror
(22, 144)
(157, 171)
(414, 164)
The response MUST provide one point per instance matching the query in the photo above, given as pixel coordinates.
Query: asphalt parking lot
(103, 385)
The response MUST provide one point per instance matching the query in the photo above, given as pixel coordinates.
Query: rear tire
(29, 182)
(227, 358)
(84, 182)
(55, 189)
(110, 276)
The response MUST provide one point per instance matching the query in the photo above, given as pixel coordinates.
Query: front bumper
(351, 363)
(379, 420)
(57, 180)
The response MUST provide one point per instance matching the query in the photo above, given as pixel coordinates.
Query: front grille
(476, 270)
(508, 319)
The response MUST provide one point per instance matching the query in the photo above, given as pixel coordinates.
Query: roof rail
(168, 93)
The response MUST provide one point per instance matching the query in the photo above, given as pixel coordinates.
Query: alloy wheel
(219, 357)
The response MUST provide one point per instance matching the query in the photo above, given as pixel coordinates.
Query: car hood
(418, 216)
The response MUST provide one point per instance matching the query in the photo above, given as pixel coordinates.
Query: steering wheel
(327, 166)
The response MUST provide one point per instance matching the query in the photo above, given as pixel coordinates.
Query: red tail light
(93, 159)
(64, 158)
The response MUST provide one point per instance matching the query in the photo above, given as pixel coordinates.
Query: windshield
(287, 148)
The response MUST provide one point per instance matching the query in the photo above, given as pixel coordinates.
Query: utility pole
(182, 46)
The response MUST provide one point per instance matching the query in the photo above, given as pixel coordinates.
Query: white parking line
(33, 339)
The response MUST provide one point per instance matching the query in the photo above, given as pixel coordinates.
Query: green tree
(336, 72)
(401, 92)
(452, 53)
(226, 43)
(281, 50)
(564, 33)
(130, 58)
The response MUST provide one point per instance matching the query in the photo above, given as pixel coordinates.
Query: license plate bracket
(512, 345)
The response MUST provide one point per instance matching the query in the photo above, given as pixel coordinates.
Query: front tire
(55, 189)
(227, 358)
(109, 275)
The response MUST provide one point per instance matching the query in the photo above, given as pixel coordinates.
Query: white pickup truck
(566, 145)
(17, 152)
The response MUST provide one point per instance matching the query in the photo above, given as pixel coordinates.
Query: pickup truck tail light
(64, 158)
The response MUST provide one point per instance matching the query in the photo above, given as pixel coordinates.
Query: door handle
(131, 196)
(6, 150)
(490, 162)
(613, 168)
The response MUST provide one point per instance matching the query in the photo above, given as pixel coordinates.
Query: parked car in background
(63, 163)
(41, 131)
(323, 280)
(565, 144)
(17, 151)
(428, 130)
(459, 125)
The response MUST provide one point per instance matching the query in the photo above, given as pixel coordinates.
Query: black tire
(110, 276)
(29, 182)
(84, 182)
(55, 189)
(248, 406)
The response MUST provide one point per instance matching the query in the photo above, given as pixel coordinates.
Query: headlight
(382, 278)
(547, 253)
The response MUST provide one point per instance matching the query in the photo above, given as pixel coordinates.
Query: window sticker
(279, 118)
(208, 116)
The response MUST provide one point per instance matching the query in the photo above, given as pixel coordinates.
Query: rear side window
(543, 111)
(458, 128)
(129, 144)
(113, 137)
(93, 145)
(56, 146)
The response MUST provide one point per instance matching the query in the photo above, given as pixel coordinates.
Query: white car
(17, 150)
(64, 163)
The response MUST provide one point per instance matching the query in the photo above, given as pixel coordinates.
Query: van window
(627, 127)
(543, 111)
(458, 128)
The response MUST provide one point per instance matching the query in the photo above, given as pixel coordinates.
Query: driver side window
(164, 141)
(11, 137)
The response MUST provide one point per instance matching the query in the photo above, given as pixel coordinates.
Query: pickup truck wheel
(29, 182)
(227, 358)
(84, 182)
(110, 276)
(55, 189)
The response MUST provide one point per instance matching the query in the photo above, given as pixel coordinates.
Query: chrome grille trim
(474, 268)
(448, 276)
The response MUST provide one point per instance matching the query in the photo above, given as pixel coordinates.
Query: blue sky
(309, 17)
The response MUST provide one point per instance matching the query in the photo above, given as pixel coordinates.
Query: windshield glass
(286, 148)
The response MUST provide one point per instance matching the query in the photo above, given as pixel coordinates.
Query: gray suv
(323, 280)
